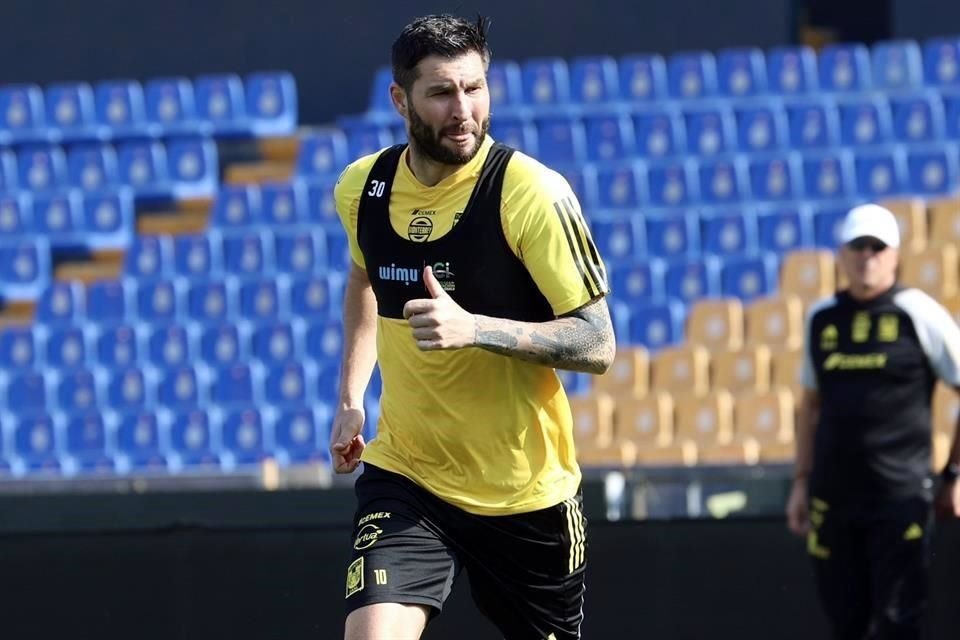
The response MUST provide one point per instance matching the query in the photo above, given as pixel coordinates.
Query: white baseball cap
(873, 221)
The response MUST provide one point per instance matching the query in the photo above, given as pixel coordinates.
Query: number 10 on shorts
(380, 576)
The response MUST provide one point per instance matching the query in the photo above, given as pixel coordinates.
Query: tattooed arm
(581, 340)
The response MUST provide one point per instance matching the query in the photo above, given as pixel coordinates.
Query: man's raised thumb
(433, 285)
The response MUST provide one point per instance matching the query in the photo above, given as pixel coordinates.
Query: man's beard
(430, 143)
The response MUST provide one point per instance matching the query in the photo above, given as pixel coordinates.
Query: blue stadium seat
(659, 133)
(26, 393)
(917, 117)
(72, 113)
(741, 72)
(621, 186)
(221, 104)
(283, 203)
(66, 348)
(118, 346)
(619, 240)
(299, 252)
(298, 435)
(656, 325)
(179, 389)
(221, 346)
(210, 302)
(324, 341)
(196, 256)
(827, 220)
(21, 114)
(761, 127)
(41, 168)
(8, 175)
(274, 344)
(159, 302)
(672, 235)
(574, 383)
(243, 436)
(951, 105)
(723, 180)
(192, 167)
(594, 80)
(149, 258)
(119, 107)
(191, 439)
(505, 84)
(142, 165)
(56, 217)
(692, 75)
(639, 281)
(643, 77)
(169, 104)
(127, 390)
(328, 380)
(749, 278)
(932, 169)
(61, 303)
(86, 436)
(709, 131)
(310, 297)
(515, 131)
(560, 139)
(171, 346)
(108, 219)
(18, 349)
(941, 62)
(271, 103)
(234, 387)
(77, 391)
(813, 124)
(262, 300)
(774, 178)
(24, 268)
(379, 100)
(881, 173)
(865, 121)
(689, 280)
(321, 207)
(236, 206)
(609, 137)
(365, 138)
(322, 153)
(582, 178)
(828, 176)
(287, 386)
(92, 167)
(110, 298)
(780, 230)
(546, 81)
(338, 249)
(728, 232)
(16, 215)
(36, 443)
(671, 184)
(138, 438)
(897, 64)
(845, 68)
(792, 70)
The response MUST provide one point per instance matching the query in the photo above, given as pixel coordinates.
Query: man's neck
(428, 172)
(866, 294)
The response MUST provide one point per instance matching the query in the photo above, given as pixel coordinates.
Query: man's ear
(399, 99)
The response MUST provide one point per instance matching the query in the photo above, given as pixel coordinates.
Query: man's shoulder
(354, 176)
(528, 176)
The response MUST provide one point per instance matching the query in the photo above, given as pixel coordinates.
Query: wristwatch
(950, 472)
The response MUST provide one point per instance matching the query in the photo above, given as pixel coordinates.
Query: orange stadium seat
(935, 270)
(809, 274)
(645, 428)
(707, 422)
(944, 221)
(682, 369)
(716, 324)
(629, 375)
(776, 321)
(911, 214)
(785, 370)
(746, 369)
(767, 419)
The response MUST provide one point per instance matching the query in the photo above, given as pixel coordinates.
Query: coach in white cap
(862, 491)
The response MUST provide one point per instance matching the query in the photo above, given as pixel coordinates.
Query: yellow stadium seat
(785, 369)
(946, 408)
(767, 418)
(911, 214)
(776, 321)
(809, 274)
(707, 423)
(629, 375)
(935, 270)
(716, 323)
(592, 420)
(645, 429)
(746, 369)
(944, 221)
(941, 451)
(952, 305)
(682, 368)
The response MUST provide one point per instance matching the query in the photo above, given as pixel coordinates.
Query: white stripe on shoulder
(937, 332)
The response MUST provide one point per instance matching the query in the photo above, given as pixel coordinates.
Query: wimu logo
(409, 275)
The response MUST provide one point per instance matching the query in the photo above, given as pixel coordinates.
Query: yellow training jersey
(488, 433)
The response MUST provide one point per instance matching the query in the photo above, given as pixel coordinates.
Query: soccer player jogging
(474, 277)
(862, 492)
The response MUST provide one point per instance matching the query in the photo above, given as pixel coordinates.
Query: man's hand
(346, 442)
(438, 322)
(948, 500)
(798, 508)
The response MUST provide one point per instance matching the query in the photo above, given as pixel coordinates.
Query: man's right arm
(808, 414)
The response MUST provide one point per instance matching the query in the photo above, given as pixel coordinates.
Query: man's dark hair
(436, 35)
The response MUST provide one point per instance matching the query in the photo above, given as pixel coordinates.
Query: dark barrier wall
(285, 578)
(334, 47)
(925, 18)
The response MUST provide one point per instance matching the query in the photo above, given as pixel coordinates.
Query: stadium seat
(234, 387)
(671, 183)
(707, 422)
(944, 221)
(710, 131)
(247, 253)
(159, 302)
(560, 139)
(672, 236)
(643, 78)
(792, 70)
(637, 281)
(776, 321)
(681, 368)
(723, 181)
(689, 280)
(243, 436)
(505, 84)
(210, 302)
(546, 82)
(932, 169)
(142, 165)
(774, 178)
(274, 344)
(71, 113)
(236, 206)
(86, 441)
(379, 103)
(767, 419)
(26, 393)
(66, 347)
(645, 424)
(716, 323)
(728, 232)
(138, 438)
(41, 168)
(117, 347)
(221, 346)
(897, 65)
(179, 389)
(170, 346)
(941, 62)
(881, 172)
(262, 300)
(691, 75)
(119, 107)
(934, 270)
(609, 137)
(741, 369)
(77, 391)
(221, 104)
(813, 124)
(621, 186)
(808, 274)
(92, 167)
(36, 443)
(24, 268)
(18, 349)
(592, 421)
(322, 153)
(297, 434)
(127, 390)
(365, 138)
(197, 256)
(321, 207)
(149, 258)
(60, 304)
(658, 133)
(16, 214)
(828, 176)
(310, 298)
(628, 376)
(785, 369)
(299, 253)
(271, 103)
(761, 128)
(107, 221)
(748, 278)
(515, 131)
(56, 217)
(656, 325)
(946, 408)
(22, 115)
(283, 204)
(865, 121)
(844, 68)
(287, 386)
(324, 341)
(192, 167)
(594, 80)
(191, 439)
(741, 72)
(917, 117)
(169, 104)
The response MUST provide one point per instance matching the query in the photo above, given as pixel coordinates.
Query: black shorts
(526, 570)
